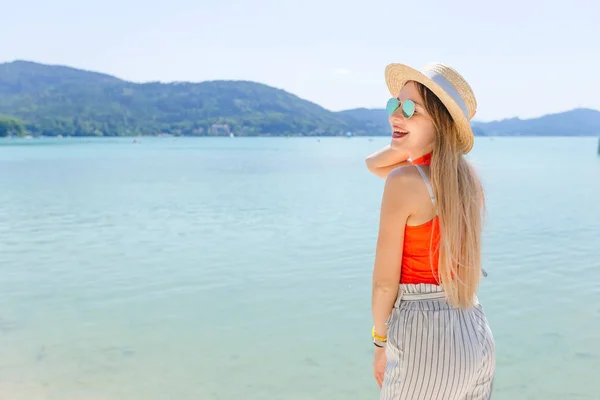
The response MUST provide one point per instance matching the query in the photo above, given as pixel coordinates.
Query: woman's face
(415, 135)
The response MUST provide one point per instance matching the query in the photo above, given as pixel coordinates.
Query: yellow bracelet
(379, 338)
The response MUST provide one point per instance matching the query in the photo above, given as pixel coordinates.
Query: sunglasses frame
(395, 103)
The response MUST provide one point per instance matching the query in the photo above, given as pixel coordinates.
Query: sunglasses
(408, 107)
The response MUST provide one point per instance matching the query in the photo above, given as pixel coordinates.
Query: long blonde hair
(460, 206)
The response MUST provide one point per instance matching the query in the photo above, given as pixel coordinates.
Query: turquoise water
(217, 268)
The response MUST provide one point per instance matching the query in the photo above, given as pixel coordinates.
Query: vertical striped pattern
(435, 351)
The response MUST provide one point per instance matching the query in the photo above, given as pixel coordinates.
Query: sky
(522, 58)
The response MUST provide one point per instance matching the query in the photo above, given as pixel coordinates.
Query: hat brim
(397, 75)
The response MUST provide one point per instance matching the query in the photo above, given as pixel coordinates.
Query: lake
(240, 268)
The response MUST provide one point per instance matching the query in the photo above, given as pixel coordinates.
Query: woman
(432, 340)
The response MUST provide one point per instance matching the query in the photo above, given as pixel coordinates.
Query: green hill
(52, 100)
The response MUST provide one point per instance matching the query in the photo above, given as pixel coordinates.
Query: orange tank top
(418, 265)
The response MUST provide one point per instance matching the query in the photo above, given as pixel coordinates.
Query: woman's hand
(379, 361)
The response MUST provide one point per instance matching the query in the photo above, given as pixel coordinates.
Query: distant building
(220, 129)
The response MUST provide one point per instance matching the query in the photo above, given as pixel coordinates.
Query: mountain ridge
(53, 99)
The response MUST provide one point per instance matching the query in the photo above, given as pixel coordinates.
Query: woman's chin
(398, 142)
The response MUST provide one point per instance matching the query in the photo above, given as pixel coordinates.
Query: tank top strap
(428, 184)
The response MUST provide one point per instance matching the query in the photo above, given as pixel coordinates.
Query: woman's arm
(383, 161)
(395, 206)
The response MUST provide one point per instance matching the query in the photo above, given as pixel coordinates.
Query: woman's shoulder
(404, 176)
(404, 182)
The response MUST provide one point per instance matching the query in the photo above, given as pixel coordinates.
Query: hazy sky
(521, 59)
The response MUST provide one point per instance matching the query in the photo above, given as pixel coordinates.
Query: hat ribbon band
(442, 82)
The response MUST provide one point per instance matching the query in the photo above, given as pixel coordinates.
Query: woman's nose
(397, 117)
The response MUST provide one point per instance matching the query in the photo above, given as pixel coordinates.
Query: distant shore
(29, 137)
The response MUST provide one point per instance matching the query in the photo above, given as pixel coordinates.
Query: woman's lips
(398, 132)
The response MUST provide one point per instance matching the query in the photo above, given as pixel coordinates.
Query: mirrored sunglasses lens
(408, 108)
(392, 106)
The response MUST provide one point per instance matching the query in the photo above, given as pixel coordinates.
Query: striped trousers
(435, 351)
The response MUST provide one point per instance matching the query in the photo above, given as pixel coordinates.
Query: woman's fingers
(378, 378)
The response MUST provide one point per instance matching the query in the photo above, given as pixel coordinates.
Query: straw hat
(448, 85)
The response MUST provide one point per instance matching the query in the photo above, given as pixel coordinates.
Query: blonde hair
(460, 206)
